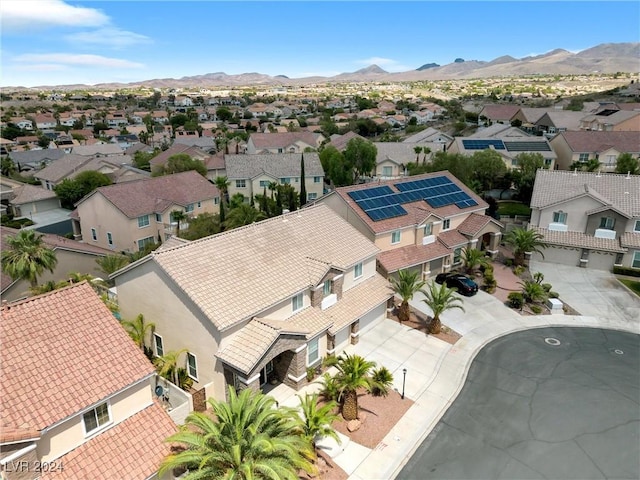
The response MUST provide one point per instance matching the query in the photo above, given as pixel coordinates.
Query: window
(386, 171)
(264, 183)
(317, 179)
(109, 238)
(157, 340)
(159, 217)
(446, 224)
(192, 366)
(94, 235)
(560, 217)
(189, 208)
(583, 157)
(297, 301)
(216, 201)
(285, 180)
(395, 237)
(357, 271)
(428, 229)
(143, 221)
(457, 253)
(312, 351)
(635, 262)
(241, 184)
(96, 418)
(312, 196)
(326, 288)
(607, 223)
(610, 160)
(548, 162)
(144, 242)
(636, 226)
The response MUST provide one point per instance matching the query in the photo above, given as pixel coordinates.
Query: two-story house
(507, 147)
(287, 142)
(612, 120)
(584, 146)
(587, 219)
(420, 222)
(261, 303)
(251, 175)
(506, 114)
(126, 217)
(76, 397)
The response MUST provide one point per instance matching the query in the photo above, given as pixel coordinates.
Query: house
(250, 175)
(581, 147)
(289, 142)
(72, 256)
(588, 219)
(432, 138)
(506, 114)
(557, 121)
(612, 120)
(25, 200)
(260, 303)
(340, 141)
(45, 121)
(507, 147)
(64, 415)
(420, 223)
(392, 158)
(126, 217)
(103, 149)
(178, 148)
(35, 159)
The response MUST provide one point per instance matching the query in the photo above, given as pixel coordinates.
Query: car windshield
(467, 281)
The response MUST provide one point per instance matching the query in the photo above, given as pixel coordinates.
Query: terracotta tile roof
(475, 222)
(417, 211)
(555, 186)
(11, 435)
(154, 195)
(579, 240)
(500, 112)
(358, 301)
(594, 142)
(277, 165)
(54, 337)
(405, 257)
(132, 449)
(452, 238)
(272, 254)
(630, 240)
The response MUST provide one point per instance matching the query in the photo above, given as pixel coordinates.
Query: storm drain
(617, 351)
(552, 341)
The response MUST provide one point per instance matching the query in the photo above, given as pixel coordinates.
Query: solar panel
(483, 144)
(527, 146)
(373, 192)
(385, 212)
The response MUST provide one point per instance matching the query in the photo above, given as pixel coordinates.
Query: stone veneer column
(316, 296)
(355, 329)
(336, 286)
(297, 374)
(331, 344)
(494, 243)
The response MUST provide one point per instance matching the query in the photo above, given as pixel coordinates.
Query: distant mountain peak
(427, 66)
(371, 69)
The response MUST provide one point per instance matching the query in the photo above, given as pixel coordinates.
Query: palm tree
(440, 298)
(167, 364)
(417, 150)
(524, 241)
(273, 186)
(381, 381)
(111, 263)
(223, 185)
(532, 291)
(178, 216)
(317, 420)
(472, 258)
(353, 373)
(243, 214)
(245, 438)
(406, 286)
(137, 330)
(26, 257)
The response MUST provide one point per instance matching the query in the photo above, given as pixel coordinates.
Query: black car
(462, 283)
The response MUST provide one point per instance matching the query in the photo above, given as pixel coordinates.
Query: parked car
(463, 284)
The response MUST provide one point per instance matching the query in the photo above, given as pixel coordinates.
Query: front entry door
(265, 373)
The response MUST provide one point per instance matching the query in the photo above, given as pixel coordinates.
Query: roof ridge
(8, 305)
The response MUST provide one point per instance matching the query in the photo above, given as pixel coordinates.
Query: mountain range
(603, 58)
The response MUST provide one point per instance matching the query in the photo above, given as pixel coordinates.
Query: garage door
(561, 255)
(342, 339)
(601, 260)
(370, 319)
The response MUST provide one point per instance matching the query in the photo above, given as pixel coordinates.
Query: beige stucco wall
(407, 237)
(563, 152)
(630, 125)
(284, 309)
(395, 168)
(338, 205)
(26, 209)
(575, 210)
(253, 187)
(70, 433)
(368, 270)
(178, 321)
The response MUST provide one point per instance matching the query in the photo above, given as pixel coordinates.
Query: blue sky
(53, 42)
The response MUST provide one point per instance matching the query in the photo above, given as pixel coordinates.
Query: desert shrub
(329, 389)
(547, 287)
(381, 381)
(519, 270)
(311, 373)
(537, 309)
(515, 300)
(553, 294)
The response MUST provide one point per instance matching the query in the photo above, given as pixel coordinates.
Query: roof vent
(628, 175)
(575, 171)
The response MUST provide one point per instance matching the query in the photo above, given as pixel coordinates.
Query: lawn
(513, 208)
(632, 284)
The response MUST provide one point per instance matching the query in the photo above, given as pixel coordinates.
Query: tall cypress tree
(263, 202)
(303, 187)
(222, 216)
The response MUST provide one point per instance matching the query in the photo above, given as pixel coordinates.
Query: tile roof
(475, 222)
(36, 156)
(12, 435)
(579, 240)
(498, 130)
(56, 171)
(30, 193)
(405, 257)
(400, 153)
(266, 255)
(620, 191)
(428, 135)
(177, 148)
(564, 119)
(282, 140)
(98, 148)
(452, 238)
(417, 211)
(154, 195)
(500, 112)
(132, 449)
(58, 337)
(277, 165)
(630, 240)
(593, 141)
(340, 141)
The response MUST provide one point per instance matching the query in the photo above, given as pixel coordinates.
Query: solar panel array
(380, 203)
(482, 144)
(527, 146)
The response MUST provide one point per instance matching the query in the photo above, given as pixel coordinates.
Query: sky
(56, 42)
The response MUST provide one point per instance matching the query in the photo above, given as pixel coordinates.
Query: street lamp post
(404, 377)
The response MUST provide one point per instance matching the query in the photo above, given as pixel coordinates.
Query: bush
(553, 294)
(311, 373)
(329, 390)
(490, 285)
(537, 309)
(515, 300)
(519, 270)
(382, 379)
(633, 272)
(547, 287)
(508, 262)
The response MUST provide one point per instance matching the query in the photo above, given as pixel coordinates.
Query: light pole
(404, 377)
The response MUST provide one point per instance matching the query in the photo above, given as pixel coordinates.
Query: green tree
(335, 167)
(472, 258)
(406, 286)
(533, 291)
(626, 164)
(181, 162)
(178, 216)
(488, 168)
(353, 374)
(317, 419)
(142, 159)
(202, 226)
(360, 156)
(71, 191)
(243, 214)
(7, 167)
(245, 438)
(440, 298)
(111, 263)
(303, 186)
(525, 175)
(223, 186)
(224, 114)
(223, 217)
(167, 364)
(138, 329)
(524, 241)
(25, 256)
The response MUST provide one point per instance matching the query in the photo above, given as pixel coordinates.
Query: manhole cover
(552, 341)
(618, 351)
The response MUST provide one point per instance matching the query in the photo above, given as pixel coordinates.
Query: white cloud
(110, 36)
(25, 15)
(72, 59)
